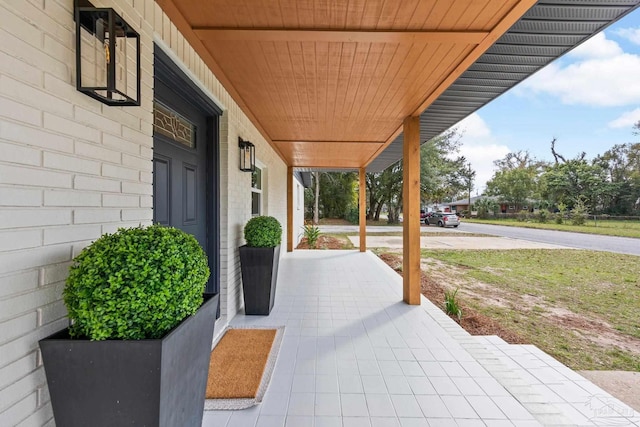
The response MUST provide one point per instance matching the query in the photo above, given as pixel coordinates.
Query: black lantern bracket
(247, 155)
(107, 55)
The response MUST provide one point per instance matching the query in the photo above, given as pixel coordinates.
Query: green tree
(337, 193)
(518, 160)
(309, 201)
(443, 176)
(579, 212)
(333, 195)
(391, 181)
(516, 179)
(565, 182)
(385, 189)
(485, 206)
(375, 195)
(514, 186)
(621, 163)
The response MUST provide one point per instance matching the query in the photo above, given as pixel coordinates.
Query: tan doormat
(240, 367)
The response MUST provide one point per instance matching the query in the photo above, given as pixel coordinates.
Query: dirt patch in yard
(591, 329)
(596, 331)
(473, 322)
(532, 300)
(326, 242)
(444, 277)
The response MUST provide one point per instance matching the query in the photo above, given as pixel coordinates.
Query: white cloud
(598, 46)
(480, 147)
(631, 34)
(474, 127)
(481, 158)
(602, 76)
(626, 120)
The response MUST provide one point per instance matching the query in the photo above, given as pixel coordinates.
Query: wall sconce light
(247, 156)
(107, 56)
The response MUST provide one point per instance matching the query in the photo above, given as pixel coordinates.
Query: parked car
(427, 216)
(424, 215)
(443, 219)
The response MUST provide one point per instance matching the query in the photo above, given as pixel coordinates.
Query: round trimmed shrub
(136, 283)
(263, 232)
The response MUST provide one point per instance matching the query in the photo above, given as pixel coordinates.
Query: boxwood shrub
(263, 232)
(136, 283)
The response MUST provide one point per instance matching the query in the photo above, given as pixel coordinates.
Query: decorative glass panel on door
(172, 125)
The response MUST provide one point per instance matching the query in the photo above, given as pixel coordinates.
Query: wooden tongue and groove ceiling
(329, 83)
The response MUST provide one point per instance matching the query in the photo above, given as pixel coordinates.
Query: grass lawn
(608, 228)
(333, 221)
(382, 223)
(582, 307)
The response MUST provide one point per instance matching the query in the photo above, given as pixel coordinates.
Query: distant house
(462, 204)
(506, 207)
(503, 207)
(438, 207)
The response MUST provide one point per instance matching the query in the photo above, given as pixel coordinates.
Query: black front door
(185, 160)
(179, 164)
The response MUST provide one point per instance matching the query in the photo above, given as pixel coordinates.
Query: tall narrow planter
(156, 382)
(259, 276)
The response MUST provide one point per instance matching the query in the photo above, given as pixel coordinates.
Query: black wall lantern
(247, 156)
(107, 56)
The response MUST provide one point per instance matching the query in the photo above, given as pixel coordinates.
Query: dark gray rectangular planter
(259, 276)
(156, 382)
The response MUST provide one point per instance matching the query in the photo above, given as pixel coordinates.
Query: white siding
(72, 168)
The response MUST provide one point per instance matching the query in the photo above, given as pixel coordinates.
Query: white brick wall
(72, 169)
(63, 179)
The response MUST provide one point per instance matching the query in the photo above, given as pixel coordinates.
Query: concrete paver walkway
(354, 355)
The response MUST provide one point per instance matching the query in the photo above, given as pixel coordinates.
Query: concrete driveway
(457, 242)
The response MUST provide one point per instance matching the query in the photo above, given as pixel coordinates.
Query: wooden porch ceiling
(329, 83)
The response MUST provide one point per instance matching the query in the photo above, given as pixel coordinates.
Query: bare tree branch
(556, 155)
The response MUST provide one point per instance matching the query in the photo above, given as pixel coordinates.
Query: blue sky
(588, 100)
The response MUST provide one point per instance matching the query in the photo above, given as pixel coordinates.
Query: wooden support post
(289, 209)
(363, 211)
(411, 211)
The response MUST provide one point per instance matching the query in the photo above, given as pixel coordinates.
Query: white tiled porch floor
(354, 355)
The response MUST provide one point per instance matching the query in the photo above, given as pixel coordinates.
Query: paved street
(624, 245)
(516, 237)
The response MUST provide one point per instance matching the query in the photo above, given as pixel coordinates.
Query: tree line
(607, 184)
(444, 175)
